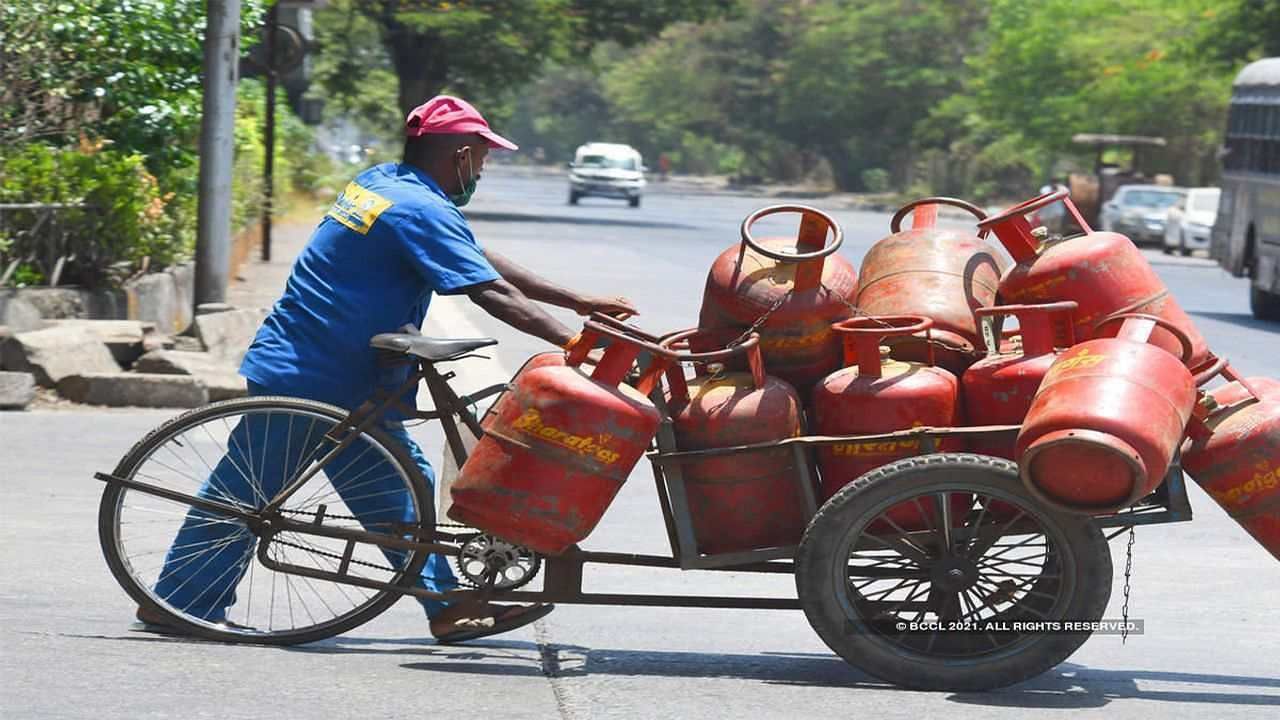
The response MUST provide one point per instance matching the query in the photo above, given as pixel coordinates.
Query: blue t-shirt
(391, 240)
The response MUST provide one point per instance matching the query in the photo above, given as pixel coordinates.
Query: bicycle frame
(563, 579)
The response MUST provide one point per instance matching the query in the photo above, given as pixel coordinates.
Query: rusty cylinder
(793, 287)
(1234, 455)
(746, 500)
(559, 445)
(1107, 419)
(944, 275)
(1102, 271)
(999, 388)
(877, 394)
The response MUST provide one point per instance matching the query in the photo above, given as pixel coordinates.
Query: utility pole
(269, 133)
(217, 138)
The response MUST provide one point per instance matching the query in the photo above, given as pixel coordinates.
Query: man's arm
(540, 289)
(505, 301)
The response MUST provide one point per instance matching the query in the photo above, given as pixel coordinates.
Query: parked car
(606, 170)
(1138, 211)
(1190, 221)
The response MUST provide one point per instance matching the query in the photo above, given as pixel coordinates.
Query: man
(393, 239)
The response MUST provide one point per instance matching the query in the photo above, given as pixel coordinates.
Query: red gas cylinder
(879, 395)
(1109, 415)
(941, 274)
(1235, 456)
(1102, 271)
(794, 287)
(743, 501)
(559, 445)
(999, 388)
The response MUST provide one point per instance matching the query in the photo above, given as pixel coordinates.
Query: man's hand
(608, 305)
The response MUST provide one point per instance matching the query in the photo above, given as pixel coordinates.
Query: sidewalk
(259, 284)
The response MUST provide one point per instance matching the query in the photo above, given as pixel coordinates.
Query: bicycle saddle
(427, 348)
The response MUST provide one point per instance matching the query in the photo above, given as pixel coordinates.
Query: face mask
(468, 185)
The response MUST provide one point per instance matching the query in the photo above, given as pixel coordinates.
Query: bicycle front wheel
(200, 570)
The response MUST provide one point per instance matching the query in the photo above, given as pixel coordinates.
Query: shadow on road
(1067, 686)
(1241, 319)
(490, 216)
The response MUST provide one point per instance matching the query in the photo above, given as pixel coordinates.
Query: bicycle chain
(461, 579)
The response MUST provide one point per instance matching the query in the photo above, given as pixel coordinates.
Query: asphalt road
(1206, 592)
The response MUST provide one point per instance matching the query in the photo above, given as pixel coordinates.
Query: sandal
(495, 620)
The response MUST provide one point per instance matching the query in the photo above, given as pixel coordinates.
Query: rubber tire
(1264, 305)
(573, 197)
(157, 437)
(1090, 561)
(634, 202)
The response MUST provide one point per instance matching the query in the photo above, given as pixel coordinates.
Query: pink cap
(448, 115)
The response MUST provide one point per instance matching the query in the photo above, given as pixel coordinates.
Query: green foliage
(481, 50)
(100, 104)
(128, 217)
(298, 167)
(875, 180)
(1234, 32)
(128, 72)
(352, 70)
(1126, 68)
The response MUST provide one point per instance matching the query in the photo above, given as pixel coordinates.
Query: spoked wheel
(940, 572)
(199, 569)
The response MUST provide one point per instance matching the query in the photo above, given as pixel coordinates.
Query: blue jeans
(210, 554)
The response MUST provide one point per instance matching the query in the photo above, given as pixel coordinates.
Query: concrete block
(134, 390)
(228, 334)
(18, 313)
(124, 338)
(17, 390)
(54, 353)
(154, 298)
(178, 362)
(184, 295)
(163, 298)
(186, 343)
(223, 386)
(156, 341)
(56, 302)
(217, 374)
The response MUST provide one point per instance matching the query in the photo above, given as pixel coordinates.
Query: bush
(875, 180)
(129, 218)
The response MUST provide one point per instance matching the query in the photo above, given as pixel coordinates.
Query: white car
(606, 170)
(1187, 226)
(1138, 211)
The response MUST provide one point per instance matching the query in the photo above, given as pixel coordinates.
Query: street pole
(217, 145)
(269, 133)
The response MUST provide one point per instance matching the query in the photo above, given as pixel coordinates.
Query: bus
(1246, 234)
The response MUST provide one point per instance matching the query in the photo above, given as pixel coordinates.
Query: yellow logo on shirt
(358, 208)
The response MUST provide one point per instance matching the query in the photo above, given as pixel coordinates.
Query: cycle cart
(960, 603)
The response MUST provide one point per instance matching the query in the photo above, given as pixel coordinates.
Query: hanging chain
(1128, 570)
(762, 319)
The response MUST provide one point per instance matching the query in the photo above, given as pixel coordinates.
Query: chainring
(485, 561)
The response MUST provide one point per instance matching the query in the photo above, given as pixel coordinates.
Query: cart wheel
(980, 565)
